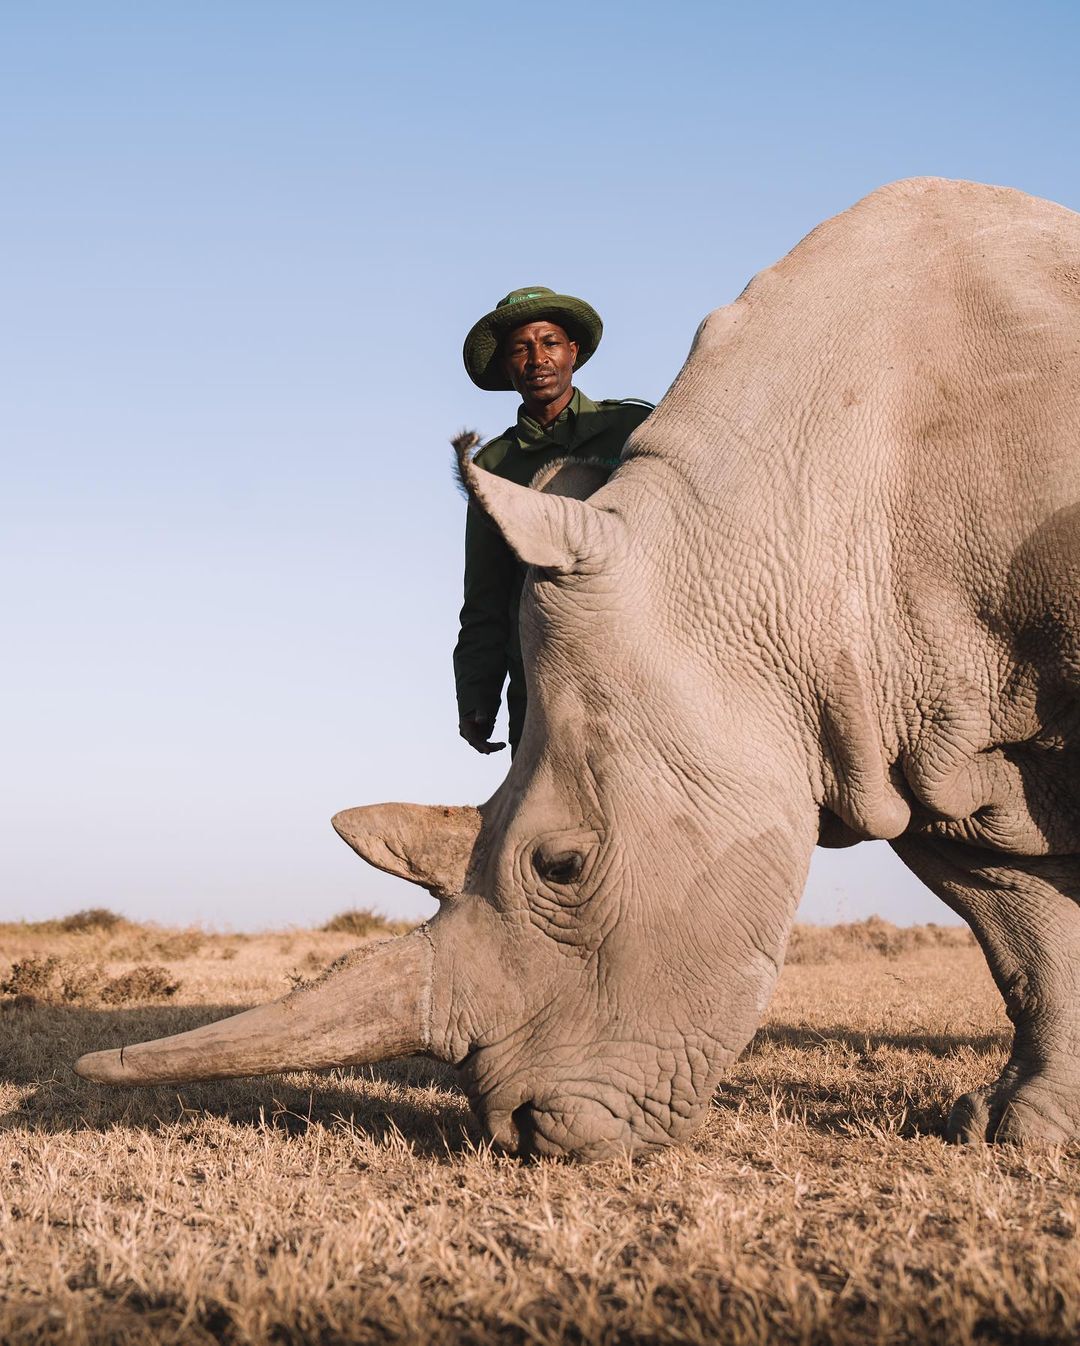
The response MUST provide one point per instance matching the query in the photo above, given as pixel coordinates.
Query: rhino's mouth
(563, 1127)
(570, 1118)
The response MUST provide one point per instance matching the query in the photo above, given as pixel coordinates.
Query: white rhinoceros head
(612, 920)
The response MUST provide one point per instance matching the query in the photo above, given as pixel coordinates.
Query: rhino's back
(885, 426)
(913, 364)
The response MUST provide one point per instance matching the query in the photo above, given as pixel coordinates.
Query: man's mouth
(534, 379)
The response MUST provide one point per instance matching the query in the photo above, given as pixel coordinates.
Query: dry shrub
(141, 983)
(93, 918)
(362, 922)
(63, 981)
(52, 981)
(36, 978)
(858, 939)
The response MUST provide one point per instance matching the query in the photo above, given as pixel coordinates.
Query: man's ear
(573, 361)
(554, 532)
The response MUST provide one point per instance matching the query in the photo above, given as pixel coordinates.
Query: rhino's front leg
(1025, 912)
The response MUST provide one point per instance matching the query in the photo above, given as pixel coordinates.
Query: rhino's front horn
(427, 844)
(372, 1005)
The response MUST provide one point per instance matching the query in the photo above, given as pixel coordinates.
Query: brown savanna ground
(817, 1203)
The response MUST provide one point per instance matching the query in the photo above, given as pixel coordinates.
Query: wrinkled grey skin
(834, 585)
(830, 593)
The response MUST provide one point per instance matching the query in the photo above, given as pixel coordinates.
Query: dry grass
(817, 1204)
(842, 943)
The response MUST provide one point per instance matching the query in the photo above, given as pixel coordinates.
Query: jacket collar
(530, 435)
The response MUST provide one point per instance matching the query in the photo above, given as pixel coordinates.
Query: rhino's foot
(969, 1119)
(1031, 1113)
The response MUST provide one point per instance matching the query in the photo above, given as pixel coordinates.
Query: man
(533, 341)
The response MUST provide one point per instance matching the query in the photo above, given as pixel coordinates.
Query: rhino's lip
(527, 1116)
(552, 1127)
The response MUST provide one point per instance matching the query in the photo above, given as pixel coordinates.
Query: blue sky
(240, 246)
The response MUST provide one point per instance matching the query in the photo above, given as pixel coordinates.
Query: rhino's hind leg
(1025, 913)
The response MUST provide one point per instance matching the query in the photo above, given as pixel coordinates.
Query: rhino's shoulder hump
(948, 204)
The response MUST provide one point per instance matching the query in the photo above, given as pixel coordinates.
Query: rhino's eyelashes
(561, 868)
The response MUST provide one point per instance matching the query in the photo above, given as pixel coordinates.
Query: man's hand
(475, 728)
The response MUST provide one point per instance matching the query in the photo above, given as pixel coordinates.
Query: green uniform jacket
(488, 647)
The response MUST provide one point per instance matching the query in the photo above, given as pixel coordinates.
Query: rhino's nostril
(523, 1124)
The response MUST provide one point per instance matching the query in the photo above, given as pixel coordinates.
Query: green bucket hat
(481, 351)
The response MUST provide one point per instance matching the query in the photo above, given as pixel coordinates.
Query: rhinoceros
(831, 593)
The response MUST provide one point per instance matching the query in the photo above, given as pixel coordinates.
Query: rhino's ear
(426, 844)
(556, 532)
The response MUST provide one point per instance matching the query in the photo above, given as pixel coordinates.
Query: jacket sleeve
(480, 663)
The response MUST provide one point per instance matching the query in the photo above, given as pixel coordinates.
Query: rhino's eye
(563, 867)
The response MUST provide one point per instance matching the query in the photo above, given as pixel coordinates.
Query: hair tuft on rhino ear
(543, 528)
(464, 444)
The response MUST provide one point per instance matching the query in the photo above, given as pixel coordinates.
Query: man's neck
(549, 412)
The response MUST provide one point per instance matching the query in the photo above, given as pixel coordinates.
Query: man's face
(539, 360)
